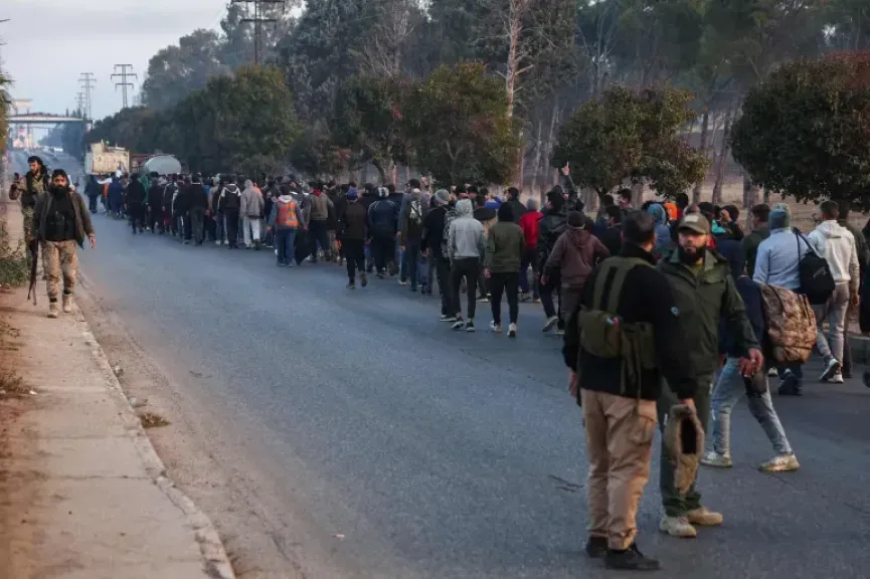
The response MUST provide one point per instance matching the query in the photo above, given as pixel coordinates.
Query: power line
(87, 80)
(258, 21)
(80, 103)
(124, 84)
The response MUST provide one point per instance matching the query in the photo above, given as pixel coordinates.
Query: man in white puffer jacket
(837, 245)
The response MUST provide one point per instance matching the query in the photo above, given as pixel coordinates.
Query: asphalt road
(394, 447)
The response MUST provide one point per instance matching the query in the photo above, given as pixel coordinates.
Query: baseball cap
(696, 223)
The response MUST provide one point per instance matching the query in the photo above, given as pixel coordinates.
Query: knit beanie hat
(780, 216)
(352, 194)
(442, 196)
(576, 220)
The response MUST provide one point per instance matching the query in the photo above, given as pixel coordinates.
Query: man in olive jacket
(505, 245)
(704, 292)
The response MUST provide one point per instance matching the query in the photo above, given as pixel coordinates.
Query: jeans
(136, 213)
(727, 392)
(469, 268)
(504, 283)
(92, 203)
(318, 235)
(285, 243)
(252, 230)
(155, 219)
(528, 260)
(553, 286)
(355, 254)
(383, 251)
(411, 262)
(196, 218)
(834, 311)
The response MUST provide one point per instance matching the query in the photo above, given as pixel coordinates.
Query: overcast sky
(49, 43)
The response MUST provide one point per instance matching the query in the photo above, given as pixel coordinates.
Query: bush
(13, 263)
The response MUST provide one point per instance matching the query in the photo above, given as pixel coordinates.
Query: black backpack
(817, 282)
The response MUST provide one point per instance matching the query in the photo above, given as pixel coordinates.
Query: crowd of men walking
(662, 306)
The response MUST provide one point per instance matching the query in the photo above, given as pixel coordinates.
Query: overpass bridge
(42, 119)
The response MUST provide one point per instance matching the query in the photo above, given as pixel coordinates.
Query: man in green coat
(704, 292)
(505, 244)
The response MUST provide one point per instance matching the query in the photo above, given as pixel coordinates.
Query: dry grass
(151, 420)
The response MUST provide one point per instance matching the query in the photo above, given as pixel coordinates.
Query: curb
(216, 561)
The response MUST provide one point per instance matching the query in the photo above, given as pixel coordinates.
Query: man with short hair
(60, 221)
(36, 182)
(760, 231)
(704, 292)
(136, 197)
(431, 247)
(624, 200)
(837, 245)
(612, 235)
(513, 199)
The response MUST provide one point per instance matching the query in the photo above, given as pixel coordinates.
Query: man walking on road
(466, 248)
(136, 204)
(251, 210)
(430, 245)
(411, 231)
(197, 200)
(704, 291)
(229, 205)
(60, 221)
(353, 228)
(383, 222)
(92, 190)
(317, 221)
(284, 220)
(505, 244)
(36, 182)
(619, 412)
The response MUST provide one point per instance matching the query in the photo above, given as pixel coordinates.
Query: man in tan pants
(627, 306)
(60, 222)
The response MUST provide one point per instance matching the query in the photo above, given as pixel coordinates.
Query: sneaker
(469, 326)
(677, 527)
(483, 299)
(525, 297)
(832, 368)
(536, 300)
(560, 331)
(402, 282)
(413, 288)
(780, 463)
(596, 547)
(772, 373)
(496, 328)
(790, 385)
(512, 331)
(67, 303)
(364, 279)
(715, 459)
(380, 275)
(53, 310)
(351, 286)
(218, 242)
(550, 323)
(704, 517)
(446, 318)
(836, 378)
(458, 324)
(630, 560)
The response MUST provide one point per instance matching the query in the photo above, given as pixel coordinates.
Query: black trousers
(442, 272)
(92, 203)
(355, 253)
(318, 235)
(469, 268)
(505, 283)
(194, 223)
(136, 213)
(232, 220)
(155, 218)
(383, 251)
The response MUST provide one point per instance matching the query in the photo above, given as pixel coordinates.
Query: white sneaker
(560, 332)
(832, 368)
(512, 331)
(458, 324)
(713, 458)
(445, 318)
(780, 463)
(551, 321)
(773, 373)
(677, 527)
(836, 378)
(495, 328)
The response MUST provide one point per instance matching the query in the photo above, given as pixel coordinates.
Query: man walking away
(353, 226)
(92, 190)
(863, 251)
(317, 230)
(513, 199)
(229, 205)
(487, 217)
(611, 237)
(619, 407)
(760, 231)
(466, 248)
(837, 245)
(430, 245)
(181, 209)
(529, 226)
(60, 221)
(155, 205)
(411, 233)
(251, 209)
(169, 192)
(285, 220)
(383, 216)
(197, 199)
(704, 292)
(576, 252)
(550, 227)
(505, 244)
(136, 197)
(116, 196)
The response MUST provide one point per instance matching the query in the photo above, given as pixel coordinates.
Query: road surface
(336, 434)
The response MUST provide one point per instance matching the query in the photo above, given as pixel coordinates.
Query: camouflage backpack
(791, 324)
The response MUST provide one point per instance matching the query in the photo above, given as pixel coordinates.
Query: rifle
(33, 247)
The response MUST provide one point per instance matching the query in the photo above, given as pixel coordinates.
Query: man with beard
(36, 182)
(136, 204)
(704, 292)
(60, 221)
(155, 205)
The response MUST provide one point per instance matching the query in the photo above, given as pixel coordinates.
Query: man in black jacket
(197, 202)
(513, 199)
(430, 246)
(619, 413)
(136, 204)
(353, 229)
(550, 227)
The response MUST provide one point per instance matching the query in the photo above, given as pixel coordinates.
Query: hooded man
(573, 258)
(663, 232)
(251, 210)
(430, 246)
(529, 225)
(411, 233)
(60, 221)
(197, 200)
(229, 205)
(317, 224)
(505, 245)
(136, 197)
(466, 249)
(383, 223)
(285, 220)
(155, 205)
(353, 228)
(180, 208)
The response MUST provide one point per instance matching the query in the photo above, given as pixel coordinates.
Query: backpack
(791, 324)
(817, 282)
(416, 211)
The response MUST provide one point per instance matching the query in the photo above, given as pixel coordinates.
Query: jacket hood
(285, 198)
(463, 208)
(831, 229)
(484, 213)
(658, 212)
(579, 237)
(232, 188)
(317, 192)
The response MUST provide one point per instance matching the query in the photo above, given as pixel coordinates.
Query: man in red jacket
(529, 225)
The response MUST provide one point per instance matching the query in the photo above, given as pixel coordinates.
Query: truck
(103, 160)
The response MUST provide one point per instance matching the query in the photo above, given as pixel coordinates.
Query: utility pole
(87, 80)
(258, 21)
(124, 75)
(80, 103)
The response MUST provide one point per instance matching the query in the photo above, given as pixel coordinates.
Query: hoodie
(320, 205)
(251, 203)
(230, 198)
(663, 232)
(465, 238)
(735, 253)
(574, 256)
(837, 245)
(279, 203)
(383, 218)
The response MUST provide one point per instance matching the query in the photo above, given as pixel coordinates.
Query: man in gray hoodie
(466, 248)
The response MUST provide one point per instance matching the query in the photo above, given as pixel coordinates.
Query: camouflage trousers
(27, 216)
(60, 257)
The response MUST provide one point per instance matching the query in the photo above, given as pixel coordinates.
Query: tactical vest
(286, 217)
(605, 335)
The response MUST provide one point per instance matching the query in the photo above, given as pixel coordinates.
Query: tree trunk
(705, 123)
(750, 198)
(766, 196)
(637, 194)
(723, 155)
(536, 159)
